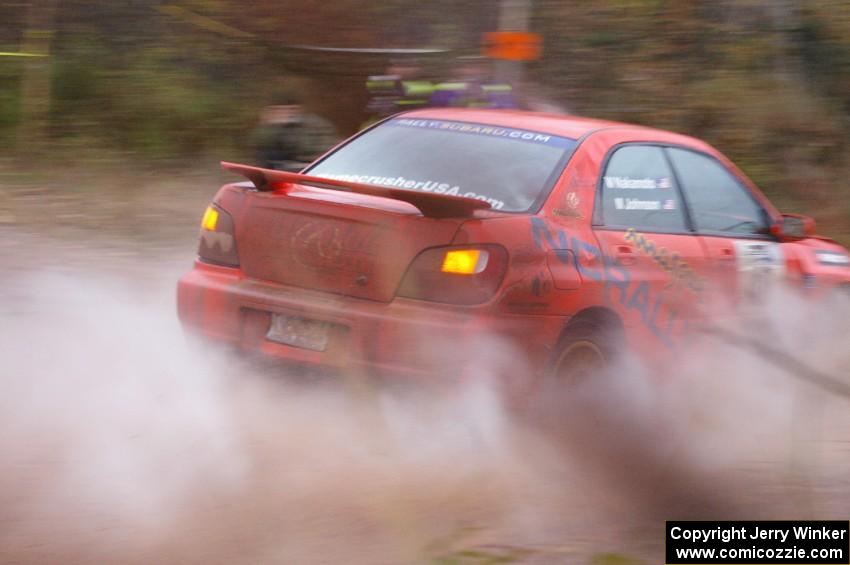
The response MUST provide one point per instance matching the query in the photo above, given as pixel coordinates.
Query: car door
(643, 228)
(745, 260)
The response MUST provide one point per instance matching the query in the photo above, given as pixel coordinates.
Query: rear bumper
(402, 337)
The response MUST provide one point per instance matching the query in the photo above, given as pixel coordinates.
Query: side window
(719, 203)
(638, 191)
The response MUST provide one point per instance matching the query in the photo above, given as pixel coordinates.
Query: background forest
(162, 83)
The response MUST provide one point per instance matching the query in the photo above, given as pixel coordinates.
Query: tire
(585, 350)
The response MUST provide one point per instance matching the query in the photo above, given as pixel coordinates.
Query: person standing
(471, 87)
(403, 87)
(289, 137)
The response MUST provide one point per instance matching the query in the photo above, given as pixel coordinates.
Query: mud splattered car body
(400, 246)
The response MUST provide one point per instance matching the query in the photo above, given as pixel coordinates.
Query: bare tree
(35, 79)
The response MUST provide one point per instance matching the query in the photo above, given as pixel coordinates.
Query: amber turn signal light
(217, 243)
(210, 219)
(464, 261)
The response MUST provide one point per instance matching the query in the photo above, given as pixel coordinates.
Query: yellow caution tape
(2, 54)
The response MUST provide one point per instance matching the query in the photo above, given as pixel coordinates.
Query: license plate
(299, 332)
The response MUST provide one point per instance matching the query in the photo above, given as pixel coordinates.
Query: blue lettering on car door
(618, 284)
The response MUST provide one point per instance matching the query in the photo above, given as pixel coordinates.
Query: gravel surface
(123, 443)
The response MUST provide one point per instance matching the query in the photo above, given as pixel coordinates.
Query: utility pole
(514, 15)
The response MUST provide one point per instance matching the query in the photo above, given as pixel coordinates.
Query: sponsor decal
(760, 265)
(655, 312)
(832, 258)
(568, 213)
(670, 262)
(572, 209)
(423, 186)
(485, 130)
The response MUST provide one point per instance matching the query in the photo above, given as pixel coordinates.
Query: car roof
(556, 124)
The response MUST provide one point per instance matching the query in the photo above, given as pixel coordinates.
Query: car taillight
(456, 275)
(217, 243)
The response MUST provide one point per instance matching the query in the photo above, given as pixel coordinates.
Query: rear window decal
(424, 186)
(488, 130)
(509, 168)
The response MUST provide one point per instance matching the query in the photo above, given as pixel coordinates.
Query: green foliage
(766, 82)
(9, 95)
(153, 106)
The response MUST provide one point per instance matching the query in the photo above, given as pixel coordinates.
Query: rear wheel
(567, 397)
(586, 349)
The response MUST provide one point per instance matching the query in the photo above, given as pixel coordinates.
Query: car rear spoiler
(431, 205)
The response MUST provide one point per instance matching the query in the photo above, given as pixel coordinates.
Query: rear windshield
(509, 168)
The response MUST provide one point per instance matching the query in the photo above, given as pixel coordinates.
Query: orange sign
(512, 45)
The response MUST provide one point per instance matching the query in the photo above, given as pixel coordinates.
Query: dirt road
(122, 443)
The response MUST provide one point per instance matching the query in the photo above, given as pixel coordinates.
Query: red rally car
(569, 239)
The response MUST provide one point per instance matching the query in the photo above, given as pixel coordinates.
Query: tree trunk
(786, 20)
(36, 75)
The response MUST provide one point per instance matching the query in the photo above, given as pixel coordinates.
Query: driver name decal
(628, 183)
